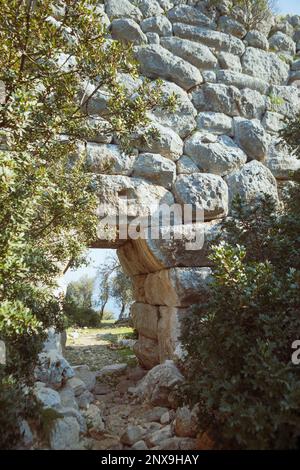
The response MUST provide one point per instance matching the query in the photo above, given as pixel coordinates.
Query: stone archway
(233, 94)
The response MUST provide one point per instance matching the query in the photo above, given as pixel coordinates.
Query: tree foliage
(251, 13)
(240, 369)
(54, 58)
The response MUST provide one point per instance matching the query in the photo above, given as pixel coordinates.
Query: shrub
(81, 316)
(239, 369)
(251, 13)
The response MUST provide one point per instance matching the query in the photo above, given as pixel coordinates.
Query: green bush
(239, 368)
(251, 13)
(81, 316)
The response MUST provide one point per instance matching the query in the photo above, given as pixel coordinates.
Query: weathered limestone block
(150, 8)
(139, 288)
(251, 183)
(218, 98)
(217, 123)
(189, 15)
(109, 159)
(141, 195)
(182, 119)
(156, 386)
(252, 104)
(145, 319)
(265, 65)
(197, 54)
(273, 122)
(156, 61)
(99, 130)
(251, 137)
(284, 100)
(213, 39)
(281, 163)
(231, 26)
(157, 24)
(230, 61)
(84, 373)
(120, 9)
(154, 167)
(178, 287)
(220, 157)
(48, 397)
(65, 434)
(153, 38)
(257, 39)
(240, 80)
(127, 30)
(186, 166)
(146, 350)
(282, 42)
(188, 245)
(165, 142)
(204, 191)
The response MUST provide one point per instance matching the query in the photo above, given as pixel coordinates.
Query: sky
(289, 6)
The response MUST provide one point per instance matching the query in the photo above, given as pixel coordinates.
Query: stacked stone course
(234, 90)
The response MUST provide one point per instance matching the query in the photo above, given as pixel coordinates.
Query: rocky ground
(98, 347)
(108, 402)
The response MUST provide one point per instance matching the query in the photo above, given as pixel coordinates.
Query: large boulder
(109, 159)
(84, 373)
(156, 61)
(146, 350)
(48, 397)
(122, 8)
(158, 383)
(251, 137)
(155, 168)
(252, 104)
(182, 119)
(217, 98)
(189, 15)
(203, 191)
(145, 319)
(284, 100)
(219, 157)
(257, 39)
(150, 8)
(53, 369)
(131, 196)
(241, 80)
(187, 245)
(165, 141)
(127, 30)
(217, 123)
(213, 39)
(197, 54)
(157, 24)
(282, 43)
(265, 65)
(178, 287)
(252, 183)
(65, 434)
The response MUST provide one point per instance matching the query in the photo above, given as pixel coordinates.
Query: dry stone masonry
(234, 90)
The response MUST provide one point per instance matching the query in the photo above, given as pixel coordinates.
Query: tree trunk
(122, 311)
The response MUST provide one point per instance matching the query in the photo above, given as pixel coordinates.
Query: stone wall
(234, 89)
